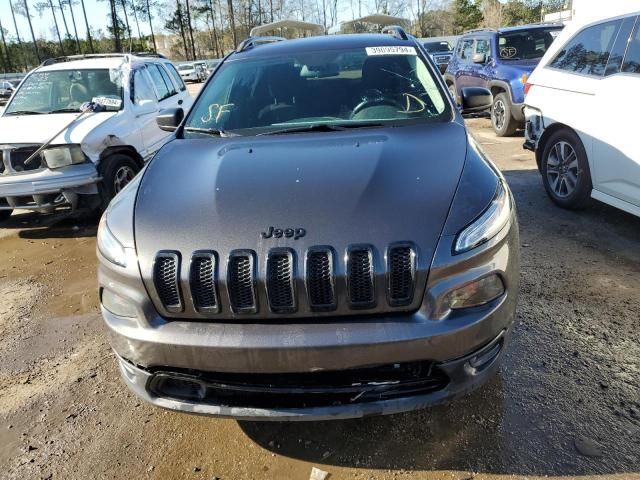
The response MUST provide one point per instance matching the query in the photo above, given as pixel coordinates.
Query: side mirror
(169, 119)
(145, 107)
(479, 58)
(475, 100)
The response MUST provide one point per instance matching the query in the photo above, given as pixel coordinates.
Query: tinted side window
(620, 46)
(632, 58)
(588, 52)
(483, 46)
(466, 49)
(159, 82)
(177, 79)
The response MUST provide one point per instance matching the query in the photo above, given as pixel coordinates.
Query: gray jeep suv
(321, 240)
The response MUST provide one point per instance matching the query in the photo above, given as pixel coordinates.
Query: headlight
(476, 293)
(109, 246)
(488, 224)
(63, 156)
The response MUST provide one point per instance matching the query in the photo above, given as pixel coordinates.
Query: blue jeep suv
(500, 60)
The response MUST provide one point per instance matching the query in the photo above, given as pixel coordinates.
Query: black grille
(166, 272)
(401, 274)
(240, 282)
(361, 281)
(202, 279)
(320, 284)
(280, 281)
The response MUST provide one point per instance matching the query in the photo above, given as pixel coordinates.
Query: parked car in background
(6, 90)
(272, 277)
(441, 52)
(54, 156)
(500, 60)
(192, 72)
(211, 65)
(581, 114)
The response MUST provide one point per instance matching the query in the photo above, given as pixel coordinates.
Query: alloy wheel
(562, 169)
(123, 176)
(499, 114)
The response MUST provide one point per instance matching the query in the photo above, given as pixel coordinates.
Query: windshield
(330, 87)
(526, 44)
(67, 90)
(183, 68)
(432, 47)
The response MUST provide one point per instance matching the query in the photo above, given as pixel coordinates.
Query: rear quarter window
(587, 53)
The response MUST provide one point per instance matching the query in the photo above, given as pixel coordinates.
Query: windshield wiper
(324, 127)
(211, 131)
(65, 110)
(24, 112)
(317, 127)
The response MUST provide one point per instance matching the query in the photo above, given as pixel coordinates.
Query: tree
(75, 29)
(232, 22)
(193, 45)
(33, 36)
(176, 24)
(86, 22)
(153, 37)
(466, 15)
(5, 65)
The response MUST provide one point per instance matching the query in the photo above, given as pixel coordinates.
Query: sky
(97, 14)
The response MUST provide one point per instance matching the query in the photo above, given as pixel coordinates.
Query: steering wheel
(376, 102)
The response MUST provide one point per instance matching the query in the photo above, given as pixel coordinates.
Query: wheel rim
(452, 91)
(123, 176)
(499, 114)
(562, 169)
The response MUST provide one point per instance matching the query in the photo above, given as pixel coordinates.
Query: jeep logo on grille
(294, 233)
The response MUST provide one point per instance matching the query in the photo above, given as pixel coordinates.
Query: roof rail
(252, 42)
(475, 30)
(396, 31)
(71, 58)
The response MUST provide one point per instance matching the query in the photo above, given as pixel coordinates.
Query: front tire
(118, 170)
(503, 123)
(565, 170)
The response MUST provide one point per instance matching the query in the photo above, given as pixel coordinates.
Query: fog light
(117, 305)
(476, 293)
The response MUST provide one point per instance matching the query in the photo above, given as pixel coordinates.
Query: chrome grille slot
(361, 277)
(280, 278)
(241, 282)
(166, 272)
(401, 270)
(202, 281)
(320, 282)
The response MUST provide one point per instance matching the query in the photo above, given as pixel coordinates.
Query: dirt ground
(566, 403)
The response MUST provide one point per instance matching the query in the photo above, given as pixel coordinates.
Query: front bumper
(463, 374)
(46, 190)
(192, 351)
(517, 112)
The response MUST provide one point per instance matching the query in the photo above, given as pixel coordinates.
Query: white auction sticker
(391, 50)
(107, 102)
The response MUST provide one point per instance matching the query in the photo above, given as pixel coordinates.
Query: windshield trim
(447, 115)
(36, 71)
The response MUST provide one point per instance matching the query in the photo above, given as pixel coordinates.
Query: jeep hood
(40, 128)
(366, 186)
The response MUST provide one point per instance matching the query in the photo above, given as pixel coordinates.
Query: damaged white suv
(78, 129)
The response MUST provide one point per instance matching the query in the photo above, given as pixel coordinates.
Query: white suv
(54, 156)
(581, 110)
